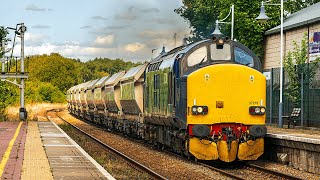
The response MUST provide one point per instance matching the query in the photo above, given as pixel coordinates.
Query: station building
(295, 26)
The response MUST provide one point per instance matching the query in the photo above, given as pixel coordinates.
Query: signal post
(6, 75)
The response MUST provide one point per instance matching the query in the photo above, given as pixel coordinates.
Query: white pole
(232, 21)
(2, 58)
(22, 108)
(281, 68)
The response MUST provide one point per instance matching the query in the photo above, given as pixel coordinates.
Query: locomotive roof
(134, 73)
(101, 81)
(177, 50)
(114, 79)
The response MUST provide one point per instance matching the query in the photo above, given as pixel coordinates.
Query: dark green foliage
(3, 39)
(295, 65)
(50, 76)
(201, 15)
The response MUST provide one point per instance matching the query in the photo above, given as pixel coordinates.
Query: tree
(3, 39)
(296, 66)
(201, 15)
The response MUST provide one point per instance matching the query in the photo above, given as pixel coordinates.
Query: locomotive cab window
(220, 52)
(242, 57)
(198, 56)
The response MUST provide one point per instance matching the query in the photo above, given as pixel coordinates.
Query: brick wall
(272, 44)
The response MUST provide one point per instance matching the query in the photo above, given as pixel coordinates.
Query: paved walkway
(12, 142)
(35, 164)
(303, 135)
(67, 159)
(41, 150)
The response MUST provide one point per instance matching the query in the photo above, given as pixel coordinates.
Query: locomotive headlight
(257, 110)
(197, 110)
(194, 110)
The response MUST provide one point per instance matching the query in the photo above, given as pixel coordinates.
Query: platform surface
(301, 135)
(67, 159)
(12, 143)
(41, 150)
(35, 163)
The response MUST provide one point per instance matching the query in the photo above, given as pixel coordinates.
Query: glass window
(243, 57)
(220, 52)
(197, 56)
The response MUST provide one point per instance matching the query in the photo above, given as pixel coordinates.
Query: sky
(85, 29)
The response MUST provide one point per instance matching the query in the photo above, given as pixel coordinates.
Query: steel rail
(269, 171)
(118, 153)
(231, 175)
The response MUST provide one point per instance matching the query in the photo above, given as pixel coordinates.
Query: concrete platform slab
(67, 159)
(35, 164)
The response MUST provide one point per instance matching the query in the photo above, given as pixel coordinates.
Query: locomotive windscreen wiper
(201, 61)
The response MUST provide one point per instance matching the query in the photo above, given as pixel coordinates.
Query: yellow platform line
(8, 151)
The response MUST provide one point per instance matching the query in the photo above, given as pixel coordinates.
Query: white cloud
(134, 47)
(35, 39)
(69, 50)
(33, 7)
(104, 40)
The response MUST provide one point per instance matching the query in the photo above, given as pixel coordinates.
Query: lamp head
(216, 31)
(262, 16)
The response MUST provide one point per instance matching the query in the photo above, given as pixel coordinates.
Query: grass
(33, 110)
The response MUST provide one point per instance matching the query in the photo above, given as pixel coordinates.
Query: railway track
(131, 161)
(247, 170)
(270, 172)
(243, 168)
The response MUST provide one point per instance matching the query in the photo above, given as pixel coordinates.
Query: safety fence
(310, 103)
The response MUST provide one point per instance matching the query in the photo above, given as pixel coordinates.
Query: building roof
(303, 17)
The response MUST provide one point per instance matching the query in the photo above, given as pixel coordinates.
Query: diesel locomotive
(205, 100)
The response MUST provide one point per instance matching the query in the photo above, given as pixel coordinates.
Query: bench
(292, 119)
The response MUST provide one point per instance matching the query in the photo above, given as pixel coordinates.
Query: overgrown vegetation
(296, 65)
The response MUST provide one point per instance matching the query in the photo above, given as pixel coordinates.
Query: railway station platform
(299, 148)
(41, 150)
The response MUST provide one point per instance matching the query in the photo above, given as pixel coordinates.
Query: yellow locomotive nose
(227, 91)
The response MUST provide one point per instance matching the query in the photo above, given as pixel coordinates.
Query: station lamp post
(263, 18)
(217, 30)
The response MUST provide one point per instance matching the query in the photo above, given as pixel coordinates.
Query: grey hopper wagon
(112, 93)
(131, 84)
